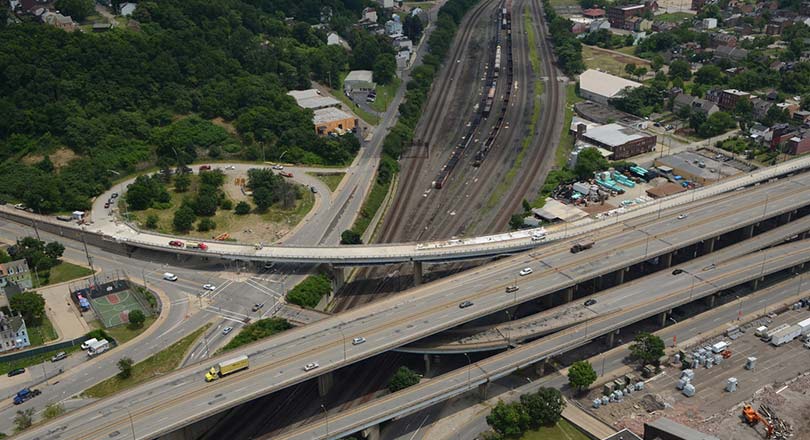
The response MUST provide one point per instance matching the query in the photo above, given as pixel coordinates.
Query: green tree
(543, 407)
(205, 204)
(516, 222)
(581, 375)
(657, 62)
(31, 305)
(641, 71)
(152, 221)
(309, 292)
(680, 69)
(4, 256)
(182, 182)
(709, 74)
(716, 124)
(350, 237)
(184, 219)
(206, 224)
(589, 161)
(242, 208)
(509, 419)
(385, 68)
(136, 319)
(647, 348)
(24, 419)
(77, 9)
(403, 378)
(54, 250)
(125, 368)
(630, 69)
(53, 410)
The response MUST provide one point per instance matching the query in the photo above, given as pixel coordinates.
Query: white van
(168, 276)
(89, 343)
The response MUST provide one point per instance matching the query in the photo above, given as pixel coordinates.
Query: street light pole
(326, 416)
(340, 329)
(469, 367)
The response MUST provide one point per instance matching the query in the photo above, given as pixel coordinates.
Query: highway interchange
(409, 316)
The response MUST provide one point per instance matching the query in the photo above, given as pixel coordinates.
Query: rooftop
(554, 210)
(604, 84)
(330, 114)
(313, 99)
(13, 267)
(614, 134)
(624, 434)
(360, 75)
(682, 431)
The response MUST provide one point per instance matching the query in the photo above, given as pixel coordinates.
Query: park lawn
(674, 17)
(5, 367)
(160, 363)
(40, 334)
(385, 94)
(65, 271)
(123, 333)
(332, 180)
(563, 430)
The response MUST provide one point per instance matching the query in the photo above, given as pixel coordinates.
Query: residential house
(731, 53)
(393, 27)
(781, 133)
(663, 26)
(596, 25)
(127, 9)
(58, 20)
(708, 23)
(403, 43)
(760, 108)
(13, 333)
(718, 39)
(402, 58)
(789, 107)
(15, 277)
(333, 39)
(777, 25)
(618, 15)
(369, 15)
(695, 104)
(386, 4)
(798, 144)
(760, 133)
(801, 116)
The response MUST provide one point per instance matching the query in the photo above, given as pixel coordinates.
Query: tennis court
(113, 309)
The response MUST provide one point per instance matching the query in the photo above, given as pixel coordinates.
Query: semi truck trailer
(225, 368)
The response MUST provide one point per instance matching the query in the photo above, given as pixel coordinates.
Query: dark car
(677, 271)
(590, 302)
(176, 243)
(114, 195)
(256, 307)
(106, 205)
(465, 304)
(16, 371)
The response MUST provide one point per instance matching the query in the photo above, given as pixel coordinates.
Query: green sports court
(113, 309)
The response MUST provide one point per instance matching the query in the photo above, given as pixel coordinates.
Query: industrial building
(332, 120)
(313, 99)
(600, 86)
(666, 429)
(622, 141)
(695, 167)
(359, 81)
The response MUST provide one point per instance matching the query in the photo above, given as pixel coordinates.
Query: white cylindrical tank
(689, 390)
(731, 384)
(597, 403)
(750, 363)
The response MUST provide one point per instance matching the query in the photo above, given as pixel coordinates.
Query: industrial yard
(779, 379)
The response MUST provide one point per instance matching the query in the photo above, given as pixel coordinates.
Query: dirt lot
(781, 380)
(610, 61)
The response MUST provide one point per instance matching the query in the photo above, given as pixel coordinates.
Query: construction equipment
(752, 417)
(726, 354)
(222, 237)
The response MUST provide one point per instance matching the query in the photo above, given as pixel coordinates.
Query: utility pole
(89, 260)
(36, 231)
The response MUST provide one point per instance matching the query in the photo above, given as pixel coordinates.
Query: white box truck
(786, 335)
(805, 325)
(98, 347)
(88, 343)
(719, 347)
(772, 331)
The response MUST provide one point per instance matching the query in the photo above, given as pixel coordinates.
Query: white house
(393, 26)
(127, 9)
(13, 333)
(369, 14)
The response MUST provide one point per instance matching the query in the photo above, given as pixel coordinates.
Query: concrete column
(708, 246)
(417, 273)
(610, 339)
(803, 235)
(597, 283)
(748, 231)
(339, 274)
(568, 295)
(786, 218)
(710, 300)
(427, 364)
(662, 319)
(371, 433)
(666, 260)
(482, 391)
(325, 382)
(620, 276)
(540, 367)
(755, 284)
(548, 301)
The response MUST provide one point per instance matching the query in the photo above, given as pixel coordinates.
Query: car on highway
(510, 289)
(311, 366)
(59, 356)
(15, 372)
(257, 306)
(358, 340)
(682, 216)
(168, 276)
(677, 271)
(525, 271)
(209, 287)
(465, 304)
(227, 330)
(277, 167)
(590, 302)
(176, 243)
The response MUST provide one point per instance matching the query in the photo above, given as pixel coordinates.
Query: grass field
(384, 95)
(42, 333)
(561, 431)
(228, 221)
(674, 17)
(370, 206)
(564, 2)
(566, 139)
(65, 271)
(608, 62)
(332, 180)
(160, 363)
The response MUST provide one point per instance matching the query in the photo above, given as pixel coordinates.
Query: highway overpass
(182, 397)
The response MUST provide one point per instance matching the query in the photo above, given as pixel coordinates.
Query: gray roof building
(600, 86)
(359, 80)
(623, 141)
(312, 99)
(666, 429)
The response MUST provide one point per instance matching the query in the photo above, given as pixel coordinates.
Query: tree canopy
(581, 375)
(403, 378)
(647, 348)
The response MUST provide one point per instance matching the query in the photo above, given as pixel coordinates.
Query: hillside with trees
(195, 80)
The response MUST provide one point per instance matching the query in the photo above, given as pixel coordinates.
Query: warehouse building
(312, 99)
(333, 120)
(359, 81)
(622, 141)
(600, 86)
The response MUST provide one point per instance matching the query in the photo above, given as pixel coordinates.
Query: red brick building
(618, 15)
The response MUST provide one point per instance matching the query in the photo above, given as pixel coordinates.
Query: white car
(358, 341)
(311, 366)
(277, 167)
(209, 287)
(525, 271)
(227, 330)
(682, 216)
(168, 276)
(230, 167)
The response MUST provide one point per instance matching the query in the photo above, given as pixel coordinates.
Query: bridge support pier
(597, 284)
(371, 433)
(427, 364)
(710, 300)
(755, 284)
(548, 301)
(325, 382)
(611, 339)
(748, 231)
(540, 367)
(339, 274)
(482, 391)
(708, 245)
(662, 319)
(417, 273)
(666, 260)
(568, 295)
(620, 276)
(786, 218)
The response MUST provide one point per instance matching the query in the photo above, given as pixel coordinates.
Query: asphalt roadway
(182, 397)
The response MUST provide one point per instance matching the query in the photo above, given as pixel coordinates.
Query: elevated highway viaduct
(182, 397)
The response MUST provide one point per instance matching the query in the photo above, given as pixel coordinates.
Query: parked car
(313, 189)
(590, 302)
(227, 330)
(682, 216)
(205, 167)
(465, 304)
(277, 167)
(209, 287)
(311, 366)
(114, 195)
(106, 205)
(59, 356)
(15, 372)
(525, 271)
(230, 167)
(168, 276)
(358, 340)
(285, 174)
(176, 243)
(257, 306)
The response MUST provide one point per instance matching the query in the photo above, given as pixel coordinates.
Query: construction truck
(752, 417)
(581, 246)
(225, 368)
